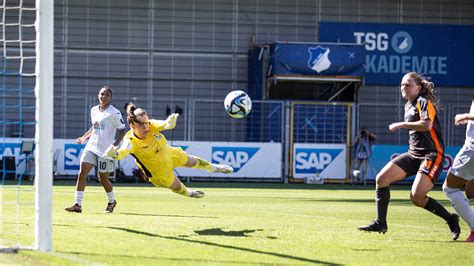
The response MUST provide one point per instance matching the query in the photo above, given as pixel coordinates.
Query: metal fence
(377, 118)
(320, 122)
(209, 122)
(206, 120)
(200, 119)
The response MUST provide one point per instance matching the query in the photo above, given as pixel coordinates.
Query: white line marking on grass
(75, 259)
(345, 219)
(63, 256)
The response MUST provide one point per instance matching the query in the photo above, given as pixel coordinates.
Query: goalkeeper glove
(170, 122)
(111, 151)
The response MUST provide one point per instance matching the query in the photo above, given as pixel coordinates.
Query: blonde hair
(427, 87)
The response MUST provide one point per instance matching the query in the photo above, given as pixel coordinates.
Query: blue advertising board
(382, 154)
(316, 59)
(440, 52)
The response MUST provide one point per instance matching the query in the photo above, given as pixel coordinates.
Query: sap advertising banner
(255, 160)
(326, 161)
(249, 160)
(11, 147)
(442, 52)
(382, 154)
(252, 160)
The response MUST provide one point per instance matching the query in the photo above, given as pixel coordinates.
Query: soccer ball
(237, 104)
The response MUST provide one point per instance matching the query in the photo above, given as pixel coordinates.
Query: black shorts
(431, 165)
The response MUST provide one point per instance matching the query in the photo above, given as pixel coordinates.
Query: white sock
(213, 167)
(79, 195)
(460, 204)
(111, 196)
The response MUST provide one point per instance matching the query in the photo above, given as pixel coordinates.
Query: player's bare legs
(84, 170)
(105, 181)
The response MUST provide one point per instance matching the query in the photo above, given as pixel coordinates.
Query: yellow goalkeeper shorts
(164, 176)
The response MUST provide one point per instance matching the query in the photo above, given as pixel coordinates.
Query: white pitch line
(343, 219)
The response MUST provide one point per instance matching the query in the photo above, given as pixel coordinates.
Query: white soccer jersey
(105, 124)
(470, 127)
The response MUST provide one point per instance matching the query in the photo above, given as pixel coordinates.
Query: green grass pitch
(234, 224)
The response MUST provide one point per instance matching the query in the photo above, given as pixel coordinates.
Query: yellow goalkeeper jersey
(150, 153)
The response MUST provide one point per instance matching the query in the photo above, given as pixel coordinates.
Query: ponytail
(129, 110)
(427, 88)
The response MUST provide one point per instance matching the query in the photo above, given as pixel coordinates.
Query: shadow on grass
(167, 215)
(220, 232)
(224, 246)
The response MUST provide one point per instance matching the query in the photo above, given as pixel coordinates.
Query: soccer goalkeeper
(154, 156)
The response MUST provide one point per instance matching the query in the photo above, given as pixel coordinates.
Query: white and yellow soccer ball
(237, 104)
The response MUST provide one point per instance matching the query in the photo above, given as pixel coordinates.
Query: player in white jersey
(106, 120)
(462, 173)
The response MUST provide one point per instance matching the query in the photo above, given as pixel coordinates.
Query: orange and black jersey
(424, 142)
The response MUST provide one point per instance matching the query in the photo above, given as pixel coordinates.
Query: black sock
(382, 198)
(433, 206)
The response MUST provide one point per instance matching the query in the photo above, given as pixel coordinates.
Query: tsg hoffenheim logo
(319, 58)
(402, 42)
(314, 161)
(72, 156)
(236, 157)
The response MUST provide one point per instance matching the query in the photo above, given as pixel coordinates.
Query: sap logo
(72, 156)
(10, 149)
(319, 58)
(314, 161)
(236, 157)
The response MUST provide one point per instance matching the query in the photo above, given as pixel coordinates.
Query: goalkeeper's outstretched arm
(118, 153)
(170, 122)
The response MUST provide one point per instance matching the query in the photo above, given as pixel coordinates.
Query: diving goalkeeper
(154, 156)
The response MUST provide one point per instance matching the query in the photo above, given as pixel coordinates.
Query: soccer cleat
(453, 223)
(110, 207)
(197, 194)
(223, 168)
(471, 237)
(374, 226)
(74, 208)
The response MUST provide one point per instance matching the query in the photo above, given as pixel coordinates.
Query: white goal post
(44, 124)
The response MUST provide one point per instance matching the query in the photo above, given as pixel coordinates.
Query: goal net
(26, 79)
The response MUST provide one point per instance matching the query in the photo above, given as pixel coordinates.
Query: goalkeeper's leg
(199, 163)
(180, 188)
